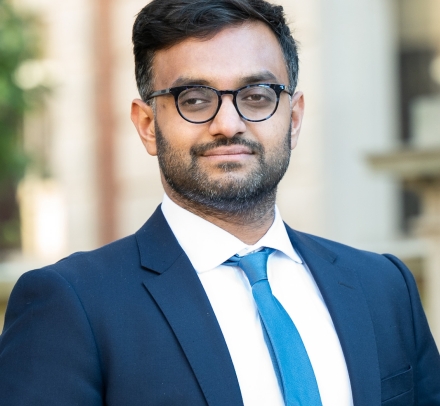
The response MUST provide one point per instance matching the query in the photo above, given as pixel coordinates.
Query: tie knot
(254, 265)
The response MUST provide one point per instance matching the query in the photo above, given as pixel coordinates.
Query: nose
(227, 122)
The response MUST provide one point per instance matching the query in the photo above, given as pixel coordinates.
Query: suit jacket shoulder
(126, 324)
(376, 310)
(130, 324)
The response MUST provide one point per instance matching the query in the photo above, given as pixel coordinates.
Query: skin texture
(227, 153)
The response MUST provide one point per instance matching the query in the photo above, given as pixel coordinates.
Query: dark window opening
(411, 207)
(415, 81)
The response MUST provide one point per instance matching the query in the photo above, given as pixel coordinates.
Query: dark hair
(164, 23)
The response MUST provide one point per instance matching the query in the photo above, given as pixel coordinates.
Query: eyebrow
(258, 77)
(264, 76)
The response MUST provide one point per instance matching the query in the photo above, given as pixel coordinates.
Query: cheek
(179, 138)
(173, 126)
(275, 134)
(278, 141)
(284, 112)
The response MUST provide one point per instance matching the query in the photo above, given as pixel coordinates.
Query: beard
(246, 196)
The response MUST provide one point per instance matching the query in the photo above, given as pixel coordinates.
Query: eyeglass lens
(200, 104)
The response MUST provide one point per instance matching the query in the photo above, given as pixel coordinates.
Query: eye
(194, 101)
(196, 97)
(256, 97)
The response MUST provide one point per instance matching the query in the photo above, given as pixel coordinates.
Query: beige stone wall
(348, 74)
(326, 190)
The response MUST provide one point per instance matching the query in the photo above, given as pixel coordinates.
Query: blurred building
(370, 71)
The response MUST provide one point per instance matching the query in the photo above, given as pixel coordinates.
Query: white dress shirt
(207, 247)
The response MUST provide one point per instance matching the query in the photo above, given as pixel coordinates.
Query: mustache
(255, 147)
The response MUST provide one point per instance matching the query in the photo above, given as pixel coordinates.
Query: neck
(249, 226)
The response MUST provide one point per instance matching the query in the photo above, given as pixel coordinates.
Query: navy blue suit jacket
(130, 324)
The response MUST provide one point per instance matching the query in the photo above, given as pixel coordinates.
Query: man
(174, 315)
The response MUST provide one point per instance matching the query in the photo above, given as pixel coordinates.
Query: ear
(142, 116)
(297, 104)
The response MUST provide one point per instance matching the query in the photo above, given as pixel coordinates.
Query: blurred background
(74, 174)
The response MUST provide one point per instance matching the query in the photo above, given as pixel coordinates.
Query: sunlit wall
(350, 55)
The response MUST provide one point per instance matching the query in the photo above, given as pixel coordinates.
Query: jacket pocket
(398, 385)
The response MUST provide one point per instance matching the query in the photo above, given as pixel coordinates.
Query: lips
(228, 151)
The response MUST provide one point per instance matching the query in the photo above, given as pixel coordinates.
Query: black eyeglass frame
(175, 91)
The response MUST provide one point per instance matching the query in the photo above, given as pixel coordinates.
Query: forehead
(234, 53)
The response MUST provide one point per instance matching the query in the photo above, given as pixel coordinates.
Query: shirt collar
(208, 246)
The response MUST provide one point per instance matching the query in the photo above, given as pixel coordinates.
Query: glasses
(199, 104)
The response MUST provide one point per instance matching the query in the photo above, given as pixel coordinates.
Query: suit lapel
(178, 292)
(348, 308)
(174, 285)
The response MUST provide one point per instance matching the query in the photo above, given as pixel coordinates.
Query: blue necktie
(289, 356)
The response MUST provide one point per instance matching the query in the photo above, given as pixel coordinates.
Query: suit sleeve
(427, 370)
(48, 355)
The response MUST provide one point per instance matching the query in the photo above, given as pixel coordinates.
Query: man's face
(227, 164)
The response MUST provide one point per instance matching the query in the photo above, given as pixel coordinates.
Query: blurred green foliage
(19, 42)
